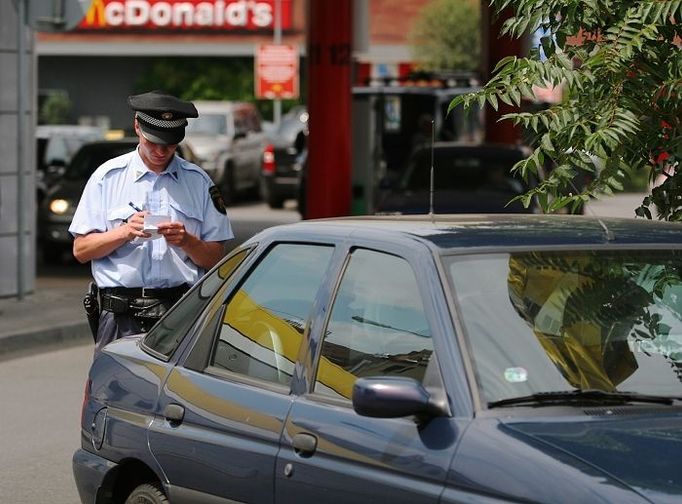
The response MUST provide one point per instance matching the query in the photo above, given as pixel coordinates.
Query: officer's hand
(134, 227)
(174, 233)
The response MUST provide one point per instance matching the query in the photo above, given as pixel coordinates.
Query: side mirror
(393, 397)
(239, 134)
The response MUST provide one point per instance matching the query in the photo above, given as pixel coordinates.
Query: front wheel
(149, 493)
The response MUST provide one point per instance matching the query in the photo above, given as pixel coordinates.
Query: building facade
(17, 208)
(98, 63)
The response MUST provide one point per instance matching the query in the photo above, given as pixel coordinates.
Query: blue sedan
(444, 359)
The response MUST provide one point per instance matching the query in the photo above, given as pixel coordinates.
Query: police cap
(162, 117)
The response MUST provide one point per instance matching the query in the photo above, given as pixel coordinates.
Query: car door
(221, 411)
(379, 324)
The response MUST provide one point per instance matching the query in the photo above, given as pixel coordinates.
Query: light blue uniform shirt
(181, 192)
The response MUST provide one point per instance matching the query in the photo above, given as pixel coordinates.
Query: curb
(43, 340)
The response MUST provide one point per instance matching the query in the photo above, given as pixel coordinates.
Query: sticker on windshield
(515, 374)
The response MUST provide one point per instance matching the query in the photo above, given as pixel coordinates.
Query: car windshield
(91, 156)
(292, 125)
(552, 322)
(207, 124)
(466, 170)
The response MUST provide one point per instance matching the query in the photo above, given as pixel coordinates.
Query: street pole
(21, 121)
(277, 39)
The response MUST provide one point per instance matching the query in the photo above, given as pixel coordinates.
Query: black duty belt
(140, 301)
(144, 292)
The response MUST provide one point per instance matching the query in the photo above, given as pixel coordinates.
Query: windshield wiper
(587, 395)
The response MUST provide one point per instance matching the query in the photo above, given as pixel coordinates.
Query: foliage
(446, 36)
(620, 66)
(206, 79)
(55, 109)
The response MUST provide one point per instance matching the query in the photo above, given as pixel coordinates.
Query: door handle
(304, 444)
(174, 413)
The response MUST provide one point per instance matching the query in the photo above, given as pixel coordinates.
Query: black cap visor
(162, 136)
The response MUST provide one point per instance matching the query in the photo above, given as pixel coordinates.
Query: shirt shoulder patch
(217, 199)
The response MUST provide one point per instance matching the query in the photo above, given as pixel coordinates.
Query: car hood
(642, 451)
(450, 201)
(206, 145)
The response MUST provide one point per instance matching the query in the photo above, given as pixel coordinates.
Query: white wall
(9, 107)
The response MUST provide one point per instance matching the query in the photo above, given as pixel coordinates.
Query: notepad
(151, 223)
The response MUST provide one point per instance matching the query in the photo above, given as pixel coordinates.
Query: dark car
(438, 359)
(283, 158)
(467, 179)
(59, 204)
(55, 146)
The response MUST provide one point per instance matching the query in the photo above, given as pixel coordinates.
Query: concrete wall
(10, 264)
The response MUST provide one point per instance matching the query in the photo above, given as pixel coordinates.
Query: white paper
(151, 222)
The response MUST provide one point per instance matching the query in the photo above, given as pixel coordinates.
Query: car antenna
(431, 175)
(608, 234)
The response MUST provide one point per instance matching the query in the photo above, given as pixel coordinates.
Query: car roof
(462, 232)
(221, 106)
(484, 148)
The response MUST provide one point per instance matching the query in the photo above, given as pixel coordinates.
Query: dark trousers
(113, 326)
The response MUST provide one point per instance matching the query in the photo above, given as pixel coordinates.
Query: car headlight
(59, 206)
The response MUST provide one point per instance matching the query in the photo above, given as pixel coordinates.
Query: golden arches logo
(95, 15)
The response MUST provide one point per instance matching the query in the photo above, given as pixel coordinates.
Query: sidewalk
(50, 317)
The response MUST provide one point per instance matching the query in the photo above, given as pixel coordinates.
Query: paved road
(40, 398)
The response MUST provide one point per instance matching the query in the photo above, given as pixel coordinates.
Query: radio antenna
(431, 176)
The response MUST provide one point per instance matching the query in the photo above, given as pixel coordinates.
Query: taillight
(269, 159)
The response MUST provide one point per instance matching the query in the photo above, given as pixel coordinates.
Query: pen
(134, 206)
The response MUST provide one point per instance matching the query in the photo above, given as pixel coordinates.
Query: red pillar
(329, 105)
(496, 47)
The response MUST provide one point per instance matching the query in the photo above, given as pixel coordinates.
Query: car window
(548, 321)
(377, 325)
(462, 171)
(207, 124)
(167, 334)
(241, 122)
(289, 127)
(263, 322)
(91, 156)
(254, 120)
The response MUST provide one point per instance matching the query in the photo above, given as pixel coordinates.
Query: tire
(269, 196)
(275, 202)
(148, 493)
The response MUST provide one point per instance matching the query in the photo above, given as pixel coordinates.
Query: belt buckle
(145, 292)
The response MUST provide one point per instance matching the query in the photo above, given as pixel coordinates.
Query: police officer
(140, 274)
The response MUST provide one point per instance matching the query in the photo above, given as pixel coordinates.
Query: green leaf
(547, 143)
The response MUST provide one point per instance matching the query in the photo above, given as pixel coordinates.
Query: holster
(92, 310)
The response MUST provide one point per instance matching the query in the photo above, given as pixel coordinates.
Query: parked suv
(229, 140)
